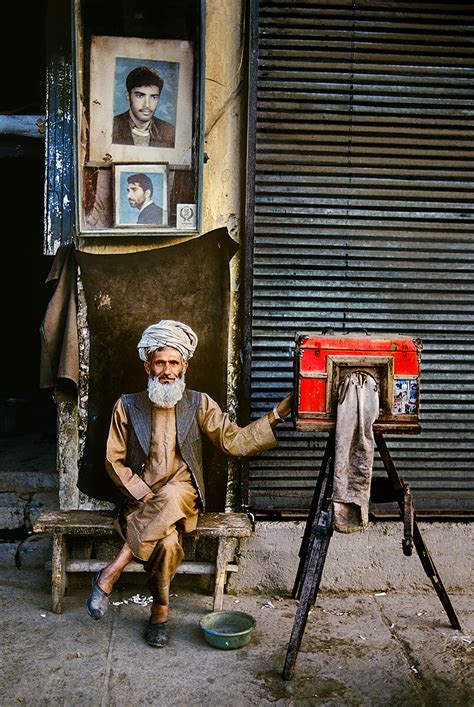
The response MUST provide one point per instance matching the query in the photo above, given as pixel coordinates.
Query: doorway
(27, 414)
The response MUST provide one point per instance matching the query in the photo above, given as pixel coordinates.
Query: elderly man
(154, 456)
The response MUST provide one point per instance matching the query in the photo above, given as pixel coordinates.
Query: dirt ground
(358, 650)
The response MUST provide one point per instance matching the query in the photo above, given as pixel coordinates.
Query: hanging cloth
(357, 410)
(59, 366)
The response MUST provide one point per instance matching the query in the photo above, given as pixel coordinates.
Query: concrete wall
(225, 119)
(371, 560)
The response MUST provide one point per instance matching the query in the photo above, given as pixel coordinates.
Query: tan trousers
(162, 566)
(152, 530)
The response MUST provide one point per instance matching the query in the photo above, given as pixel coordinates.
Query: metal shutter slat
(363, 217)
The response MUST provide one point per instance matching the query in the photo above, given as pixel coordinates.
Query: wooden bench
(228, 528)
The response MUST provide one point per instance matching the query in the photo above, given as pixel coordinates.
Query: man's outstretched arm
(258, 436)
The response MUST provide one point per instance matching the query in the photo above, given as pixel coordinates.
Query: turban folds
(168, 334)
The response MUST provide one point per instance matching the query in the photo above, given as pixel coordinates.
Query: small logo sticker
(186, 216)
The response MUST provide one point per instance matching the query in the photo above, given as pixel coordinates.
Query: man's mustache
(166, 377)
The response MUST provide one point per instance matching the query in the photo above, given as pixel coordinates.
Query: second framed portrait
(140, 195)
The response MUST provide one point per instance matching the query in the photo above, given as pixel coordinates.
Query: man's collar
(134, 126)
(146, 203)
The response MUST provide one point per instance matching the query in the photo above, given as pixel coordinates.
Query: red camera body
(323, 360)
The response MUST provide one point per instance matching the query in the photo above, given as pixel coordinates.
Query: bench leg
(58, 569)
(225, 552)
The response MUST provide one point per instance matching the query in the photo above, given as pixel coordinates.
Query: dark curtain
(124, 294)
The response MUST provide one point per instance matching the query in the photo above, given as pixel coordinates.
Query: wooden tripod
(318, 532)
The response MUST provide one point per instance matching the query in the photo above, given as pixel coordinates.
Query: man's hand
(147, 496)
(283, 409)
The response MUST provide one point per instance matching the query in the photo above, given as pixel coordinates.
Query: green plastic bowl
(227, 629)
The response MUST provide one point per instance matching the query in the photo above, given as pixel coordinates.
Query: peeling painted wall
(225, 115)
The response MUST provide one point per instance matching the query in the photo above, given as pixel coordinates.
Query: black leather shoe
(98, 600)
(156, 635)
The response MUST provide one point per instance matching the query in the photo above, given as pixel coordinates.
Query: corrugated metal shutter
(363, 217)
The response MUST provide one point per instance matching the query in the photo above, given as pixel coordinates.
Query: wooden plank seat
(228, 528)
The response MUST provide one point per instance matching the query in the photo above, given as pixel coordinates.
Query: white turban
(168, 334)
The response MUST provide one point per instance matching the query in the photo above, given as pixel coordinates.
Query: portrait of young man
(141, 101)
(141, 195)
(139, 125)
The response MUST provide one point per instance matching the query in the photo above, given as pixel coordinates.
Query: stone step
(27, 464)
(19, 512)
(28, 452)
(20, 482)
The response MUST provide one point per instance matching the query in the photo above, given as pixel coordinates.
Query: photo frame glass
(140, 109)
(140, 195)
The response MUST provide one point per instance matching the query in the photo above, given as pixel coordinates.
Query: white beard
(165, 395)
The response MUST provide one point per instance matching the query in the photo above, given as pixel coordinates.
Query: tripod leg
(327, 464)
(422, 550)
(310, 587)
(431, 571)
(408, 521)
(321, 530)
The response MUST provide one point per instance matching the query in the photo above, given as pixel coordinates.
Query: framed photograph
(138, 109)
(140, 101)
(141, 196)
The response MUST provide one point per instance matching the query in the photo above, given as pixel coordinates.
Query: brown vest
(188, 435)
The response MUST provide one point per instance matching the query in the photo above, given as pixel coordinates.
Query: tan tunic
(167, 475)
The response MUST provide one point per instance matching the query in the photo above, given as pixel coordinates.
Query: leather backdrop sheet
(124, 294)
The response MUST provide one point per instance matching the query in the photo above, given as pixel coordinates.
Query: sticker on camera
(405, 396)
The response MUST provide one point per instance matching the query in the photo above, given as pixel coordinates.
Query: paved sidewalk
(361, 650)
